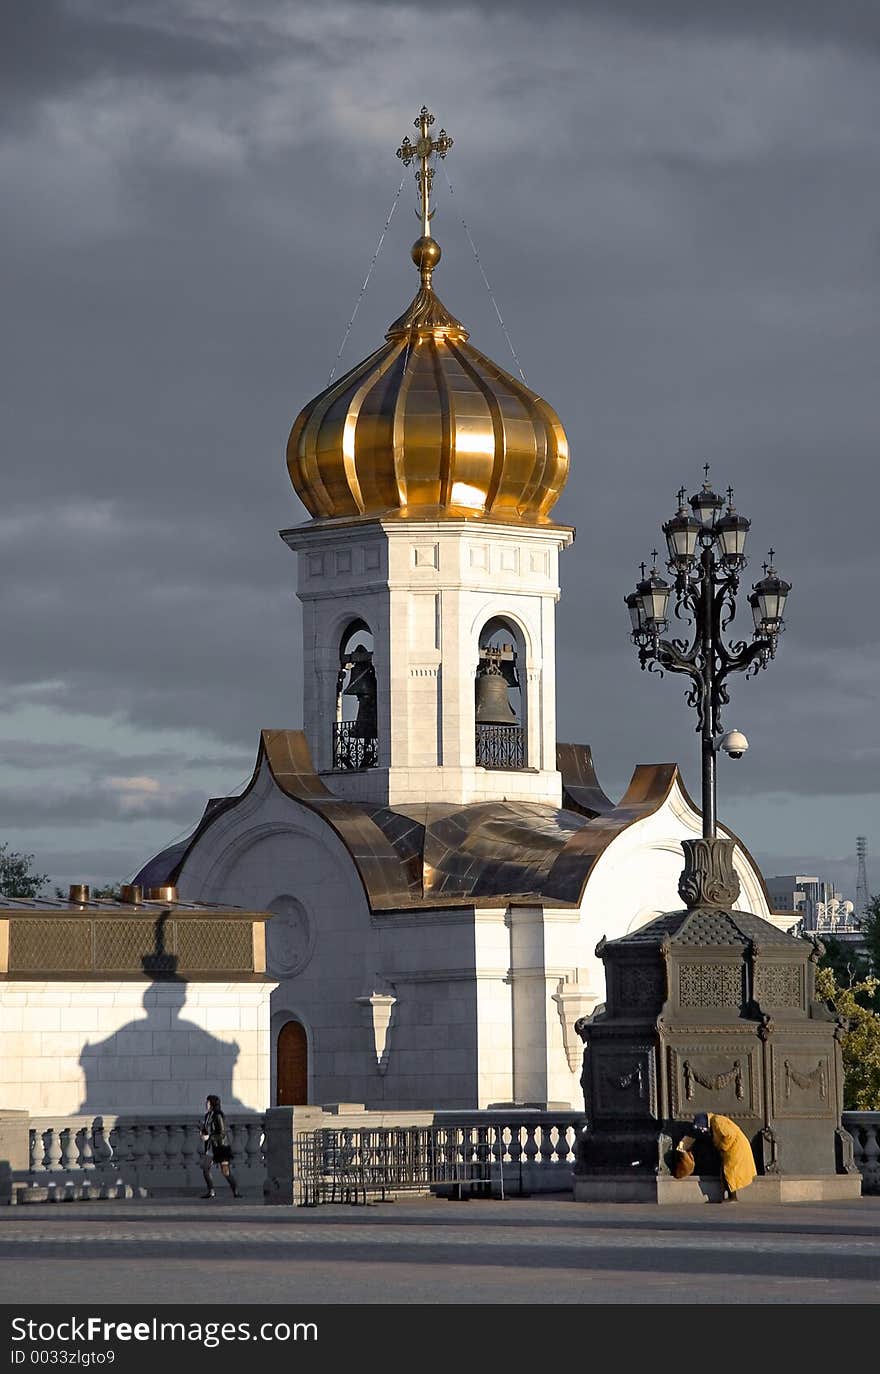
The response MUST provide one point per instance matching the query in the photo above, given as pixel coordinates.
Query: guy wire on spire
(363, 291)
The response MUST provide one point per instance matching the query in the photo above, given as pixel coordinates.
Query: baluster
(858, 1140)
(158, 1146)
(86, 1158)
(67, 1146)
(237, 1134)
(52, 1143)
(444, 1151)
(546, 1148)
(869, 1165)
(121, 1142)
(101, 1151)
(530, 1148)
(571, 1135)
(190, 1147)
(506, 1143)
(516, 1144)
(479, 1152)
(175, 1146)
(462, 1150)
(253, 1145)
(560, 1145)
(139, 1143)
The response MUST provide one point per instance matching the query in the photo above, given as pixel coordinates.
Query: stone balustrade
(125, 1156)
(531, 1151)
(864, 1127)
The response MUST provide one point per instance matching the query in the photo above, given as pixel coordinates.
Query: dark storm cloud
(113, 861)
(678, 207)
(854, 23)
(48, 47)
(35, 754)
(32, 808)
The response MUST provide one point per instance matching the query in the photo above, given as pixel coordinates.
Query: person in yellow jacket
(737, 1161)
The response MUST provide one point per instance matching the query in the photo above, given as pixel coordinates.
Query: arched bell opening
(355, 729)
(499, 699)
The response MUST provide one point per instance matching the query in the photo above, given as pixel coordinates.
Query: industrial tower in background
(862, 879)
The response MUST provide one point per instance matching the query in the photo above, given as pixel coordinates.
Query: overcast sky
(678, 207)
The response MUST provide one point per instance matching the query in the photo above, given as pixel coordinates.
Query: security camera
(733, 742)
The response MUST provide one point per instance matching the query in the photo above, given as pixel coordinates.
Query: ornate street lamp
(706, 557)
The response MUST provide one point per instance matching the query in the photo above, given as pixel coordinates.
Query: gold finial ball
(425, 253)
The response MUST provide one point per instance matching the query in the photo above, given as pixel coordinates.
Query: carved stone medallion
(289, 937)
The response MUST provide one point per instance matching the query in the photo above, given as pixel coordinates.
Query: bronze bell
(362, 684)
(493, 703)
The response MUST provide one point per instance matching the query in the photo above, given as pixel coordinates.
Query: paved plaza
(429, 1250)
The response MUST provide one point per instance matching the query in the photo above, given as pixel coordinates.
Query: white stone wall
(270, 847)
(110, 1047)
(426, 589)
(484, 1002)
(495, 1008)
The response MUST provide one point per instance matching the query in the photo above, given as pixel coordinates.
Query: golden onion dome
(427, 426)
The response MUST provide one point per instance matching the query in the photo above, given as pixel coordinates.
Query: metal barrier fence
(352, 1165)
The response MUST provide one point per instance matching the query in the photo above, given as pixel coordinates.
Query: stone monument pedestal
(710, 1009)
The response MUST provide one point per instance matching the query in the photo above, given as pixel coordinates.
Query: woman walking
(217, 1147)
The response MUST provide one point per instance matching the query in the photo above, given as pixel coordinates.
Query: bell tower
(428, 573)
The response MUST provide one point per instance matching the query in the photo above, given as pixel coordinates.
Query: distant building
(819, 906)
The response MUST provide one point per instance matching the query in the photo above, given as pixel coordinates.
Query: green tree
(870, 923)
(861, 1045)
(847, 964)
(17, 876)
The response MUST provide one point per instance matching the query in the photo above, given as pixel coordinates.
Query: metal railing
(500, 746)
(352, 751)
(354, 1165)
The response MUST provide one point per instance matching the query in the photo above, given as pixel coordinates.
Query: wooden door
(292, 1066)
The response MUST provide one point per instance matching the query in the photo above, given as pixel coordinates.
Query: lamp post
(706, 556)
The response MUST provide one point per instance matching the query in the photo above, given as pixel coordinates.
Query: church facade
(439, 868)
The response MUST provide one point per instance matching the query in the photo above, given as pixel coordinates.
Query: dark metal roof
(439, 854)
(708, 926)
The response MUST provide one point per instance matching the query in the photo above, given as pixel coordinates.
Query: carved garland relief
(717, 1076)
(624, 1083)
(803, 1083)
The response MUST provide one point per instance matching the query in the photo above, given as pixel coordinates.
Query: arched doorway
(292, 1066)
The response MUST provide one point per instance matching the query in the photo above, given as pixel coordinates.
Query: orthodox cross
(424, 148)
